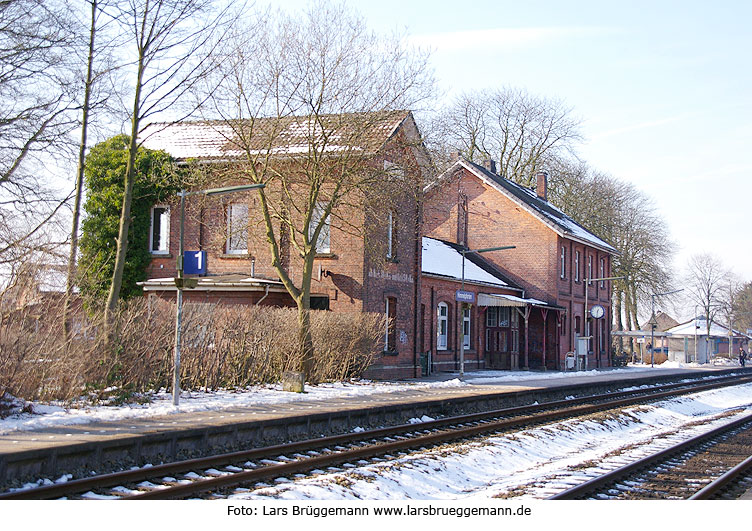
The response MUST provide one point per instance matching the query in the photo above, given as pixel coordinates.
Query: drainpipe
(265, 295)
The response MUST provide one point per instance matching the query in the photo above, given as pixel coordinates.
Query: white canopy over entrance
(488, 299)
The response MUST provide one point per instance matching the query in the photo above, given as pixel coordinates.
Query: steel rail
(566, 409)
(595, 484)
(717, 485)
(212, 484)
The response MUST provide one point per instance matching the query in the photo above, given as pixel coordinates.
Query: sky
(662, 89)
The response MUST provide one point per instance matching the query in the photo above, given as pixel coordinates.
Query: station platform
(51, 449)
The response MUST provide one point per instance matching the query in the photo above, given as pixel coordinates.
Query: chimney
(541, 188)
(455, 156)
(490, 165)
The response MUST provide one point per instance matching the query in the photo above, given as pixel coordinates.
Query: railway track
(714, 464)
(219, 473)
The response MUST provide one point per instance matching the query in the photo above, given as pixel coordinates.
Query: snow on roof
(562, 223)
(364, 132)
(439, 258)
(689, 329)
(231, 280)
(488, 299)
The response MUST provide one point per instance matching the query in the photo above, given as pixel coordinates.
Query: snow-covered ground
(56, 414)
(533, 463)
(521, 467)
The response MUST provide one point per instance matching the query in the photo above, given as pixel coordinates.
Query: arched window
(443, 326)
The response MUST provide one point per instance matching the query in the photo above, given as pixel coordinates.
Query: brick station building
(472, 207)
(527, 303)
(348, 275)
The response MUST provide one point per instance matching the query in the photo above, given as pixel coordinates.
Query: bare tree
(705, 279)
(36, 117)
(168, 40)
(741, 305)
(626, 218)
(324, 82)
(88, 84)
(522, 132)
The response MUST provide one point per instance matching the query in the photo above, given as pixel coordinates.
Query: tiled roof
(565, 225)
(227, 140)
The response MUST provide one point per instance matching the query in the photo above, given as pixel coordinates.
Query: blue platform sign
(194, 262)
(464, 296)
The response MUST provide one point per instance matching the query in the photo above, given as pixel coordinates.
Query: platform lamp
(653, 323)
(183, 283)
(462, 312)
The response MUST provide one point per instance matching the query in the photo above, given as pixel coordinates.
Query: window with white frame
(390, 336)
(159, 235)
(323, 244)
(504, 312)
(491, 316)
(237, 228)
(563, 264)
(391, 236)
(442, 326)
(603, 272)
(589, 268)
(466, 328)
(577, 266)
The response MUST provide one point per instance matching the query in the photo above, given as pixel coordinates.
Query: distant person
(742, 356)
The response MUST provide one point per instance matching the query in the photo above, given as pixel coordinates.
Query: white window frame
(590, 268)
(233, 244)
(577, 266)
(466, 327)
(563, 264)
(603, 272)
(442, 339)
(492, 317)
(505, 315)
(390, 237)
(386, 328)
(164, 231)
(323, 245)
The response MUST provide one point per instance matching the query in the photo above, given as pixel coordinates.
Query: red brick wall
(355, 275)
(435, 291)
(495, 220)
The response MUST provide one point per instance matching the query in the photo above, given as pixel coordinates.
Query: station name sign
(464, 296)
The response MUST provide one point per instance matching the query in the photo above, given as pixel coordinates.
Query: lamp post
(181, 282)
(462, 308)
(653, 323)
(696, 327)
(585, 306)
